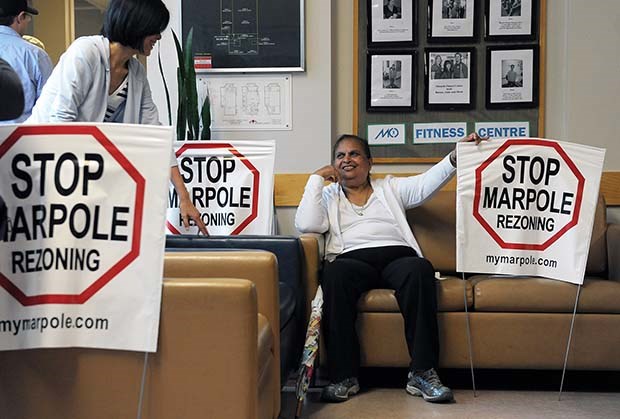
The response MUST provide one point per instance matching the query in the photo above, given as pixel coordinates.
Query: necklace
(359, 210)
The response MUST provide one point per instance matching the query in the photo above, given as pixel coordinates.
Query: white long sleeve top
(318, 209)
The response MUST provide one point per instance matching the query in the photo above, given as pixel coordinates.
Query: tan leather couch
(515, 323)
(217, 353)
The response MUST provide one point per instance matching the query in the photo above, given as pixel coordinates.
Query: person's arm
(44, 70)
(186, 207)
(311, 215)
(414, 190)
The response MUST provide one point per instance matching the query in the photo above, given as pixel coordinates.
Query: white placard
(510, 17)
(519, 129)
(81, 257)
(392, 22)
(230, 183)
(452, 18)
(512, 76)
(445, 132)
(528, 205)
(382, 134)
(247, 102)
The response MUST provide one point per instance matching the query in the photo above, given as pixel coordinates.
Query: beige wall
(54, 25)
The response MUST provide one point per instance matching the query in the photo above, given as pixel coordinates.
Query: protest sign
(81, 252)
(526, 207)
(230, 183)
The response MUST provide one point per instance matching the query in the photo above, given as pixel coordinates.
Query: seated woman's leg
(413, 279)
(344, 281)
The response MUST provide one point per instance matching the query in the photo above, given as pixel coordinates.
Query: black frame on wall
(478, 112)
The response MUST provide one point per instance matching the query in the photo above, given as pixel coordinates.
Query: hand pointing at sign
(186, 207)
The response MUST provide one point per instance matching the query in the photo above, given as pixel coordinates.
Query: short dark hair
(7, 20)
(128, 22)
(361, 141)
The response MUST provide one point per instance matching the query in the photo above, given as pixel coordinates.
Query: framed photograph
(390, 81)
(451, 20)
(449, 75)
(512, 77)
(391, 22)
(511, 20)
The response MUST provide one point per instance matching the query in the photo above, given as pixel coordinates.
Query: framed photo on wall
(392, 23)
(451, 20)
(511, 20)
(390, 81)
(512, 77)
(449, 75)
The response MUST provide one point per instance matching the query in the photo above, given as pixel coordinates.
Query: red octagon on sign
(116, 268)
(578, 195)
(247, 163)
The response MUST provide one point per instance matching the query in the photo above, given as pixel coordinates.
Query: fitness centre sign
(230, 183)
(81, 243)
(526, 207)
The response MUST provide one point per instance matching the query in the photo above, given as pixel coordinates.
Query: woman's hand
(328, 172)
(189, 211)
(473, 137)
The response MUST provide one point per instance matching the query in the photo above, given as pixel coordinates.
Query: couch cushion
(449, 298)
(597, 258)
(541, 295)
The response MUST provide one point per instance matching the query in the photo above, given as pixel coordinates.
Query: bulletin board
(478, 111)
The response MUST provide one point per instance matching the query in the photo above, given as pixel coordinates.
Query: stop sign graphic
(74, 216)
(223, 185)
(518, 191)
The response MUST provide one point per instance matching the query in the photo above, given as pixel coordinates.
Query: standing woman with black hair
(98, 79)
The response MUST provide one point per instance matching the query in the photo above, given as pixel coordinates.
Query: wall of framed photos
(430, 71)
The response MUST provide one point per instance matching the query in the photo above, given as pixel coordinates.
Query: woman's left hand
(189, 211)
(473, 137)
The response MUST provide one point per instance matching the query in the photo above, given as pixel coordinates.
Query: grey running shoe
(428, 385)
(340, 392)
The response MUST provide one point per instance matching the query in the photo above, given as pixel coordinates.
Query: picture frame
(449, 78)
(262, 38)
(391, 81)
(511, 20)
(392, 23)
(512, 77)
(452, 21)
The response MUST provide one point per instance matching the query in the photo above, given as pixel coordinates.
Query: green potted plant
(189, 113)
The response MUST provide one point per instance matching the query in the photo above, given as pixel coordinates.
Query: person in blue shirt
(32, 64)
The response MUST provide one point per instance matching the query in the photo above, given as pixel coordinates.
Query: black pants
(395, 267)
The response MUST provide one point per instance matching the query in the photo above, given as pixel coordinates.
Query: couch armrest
(258, 266)
(613, 251)
(312, 245)
(208, 336)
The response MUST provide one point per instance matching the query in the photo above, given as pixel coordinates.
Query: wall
(582, 87)
(298, 150)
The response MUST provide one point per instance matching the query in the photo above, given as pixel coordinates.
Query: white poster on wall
(230, 183)
(247, 102)
(528, 205)
(81, 240)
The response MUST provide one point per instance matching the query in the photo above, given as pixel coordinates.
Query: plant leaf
(206, 119)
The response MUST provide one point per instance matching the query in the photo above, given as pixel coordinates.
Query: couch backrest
(434, 226)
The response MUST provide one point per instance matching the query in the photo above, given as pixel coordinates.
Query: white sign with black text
(230, 183)
(82, 245)
(528, 205)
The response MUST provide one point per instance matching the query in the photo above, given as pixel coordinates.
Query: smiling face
(352, 163)
(149, 43)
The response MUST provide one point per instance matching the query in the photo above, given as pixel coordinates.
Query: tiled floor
(500, 395)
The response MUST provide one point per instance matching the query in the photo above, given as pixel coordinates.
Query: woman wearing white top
(99, 75)
(369, 244)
